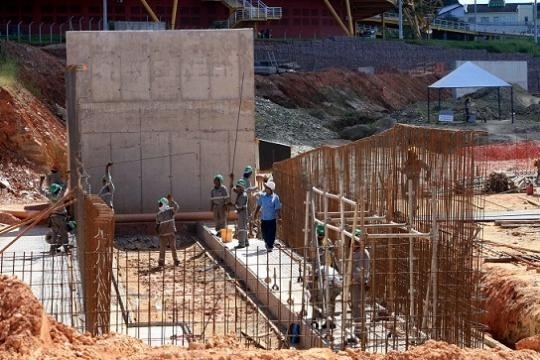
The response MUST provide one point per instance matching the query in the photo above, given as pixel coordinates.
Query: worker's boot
(54, 249)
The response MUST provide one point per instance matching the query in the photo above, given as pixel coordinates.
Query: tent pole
(428, 114)
(499, 101)
(512, 102)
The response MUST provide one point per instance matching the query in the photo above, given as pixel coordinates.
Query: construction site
(171, 109)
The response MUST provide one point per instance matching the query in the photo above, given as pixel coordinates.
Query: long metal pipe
(126, 218)
(180, 216)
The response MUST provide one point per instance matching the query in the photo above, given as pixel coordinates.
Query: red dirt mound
(375, 92)
(40, 71)
(26, 332)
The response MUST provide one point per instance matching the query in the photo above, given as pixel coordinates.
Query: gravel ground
(290, 126)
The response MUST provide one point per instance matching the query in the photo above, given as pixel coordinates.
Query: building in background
(269, 18)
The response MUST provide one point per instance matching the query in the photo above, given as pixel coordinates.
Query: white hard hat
(271, 185)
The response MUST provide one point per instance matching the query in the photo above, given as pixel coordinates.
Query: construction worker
(412, 168)
(254, 222)
(468, 105)
(106, 193)
(326, 248)
(360, 280)
(241, 208)
(166, 228)
(248, 171)
(219, 199)
(270, 207)
(324, 286)
(58, 235)
(54, 177)
(251, 191)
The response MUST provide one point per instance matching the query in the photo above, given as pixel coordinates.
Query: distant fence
(49, 33)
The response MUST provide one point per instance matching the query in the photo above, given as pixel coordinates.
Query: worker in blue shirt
(269, 205)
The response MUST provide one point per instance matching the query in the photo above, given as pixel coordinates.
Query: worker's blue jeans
(268, 229)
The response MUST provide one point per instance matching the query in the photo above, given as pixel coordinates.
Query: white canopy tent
(469, 75)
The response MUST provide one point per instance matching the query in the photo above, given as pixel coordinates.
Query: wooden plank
(499, 260)
(529, 201)
(513, 225)
(517, 221)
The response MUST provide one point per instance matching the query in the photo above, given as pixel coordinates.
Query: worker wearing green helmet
(240, 206)
(324, 280)
(320, 230)
(58, 235)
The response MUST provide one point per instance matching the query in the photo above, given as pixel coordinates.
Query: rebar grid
(198, 299)
(422, 178)
(54, 279)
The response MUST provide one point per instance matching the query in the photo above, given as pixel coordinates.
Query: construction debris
(498, 183)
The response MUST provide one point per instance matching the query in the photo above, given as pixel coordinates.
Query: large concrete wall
(168, 108)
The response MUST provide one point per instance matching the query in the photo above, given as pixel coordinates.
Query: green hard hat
(55, 188)
(163, 201)
(320, 229)
(248, 169)
(219, 177)
(71, 225)
(242, 183)
(358, 232)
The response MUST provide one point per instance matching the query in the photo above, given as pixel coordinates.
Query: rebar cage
(414, 189)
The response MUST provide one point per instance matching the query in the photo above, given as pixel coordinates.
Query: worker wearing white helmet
(166, 228)
(269, 205)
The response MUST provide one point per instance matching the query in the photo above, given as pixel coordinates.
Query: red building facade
(300, 18)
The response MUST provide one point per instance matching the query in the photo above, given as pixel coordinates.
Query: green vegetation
(9, 70)
(9, 75)
(513, 45)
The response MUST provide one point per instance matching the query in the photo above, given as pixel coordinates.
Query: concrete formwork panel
(164, 107)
